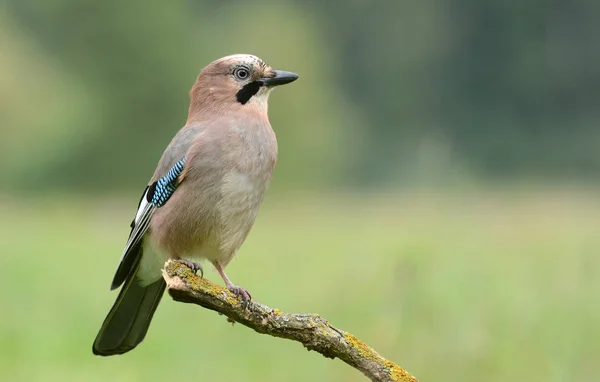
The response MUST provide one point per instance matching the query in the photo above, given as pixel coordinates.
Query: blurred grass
(455, 287)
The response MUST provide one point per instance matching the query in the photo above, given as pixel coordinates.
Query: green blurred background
(436, 193)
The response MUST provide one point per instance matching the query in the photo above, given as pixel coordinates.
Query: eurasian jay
(204, 195)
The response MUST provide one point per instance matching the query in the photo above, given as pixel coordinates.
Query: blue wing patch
(165, 186)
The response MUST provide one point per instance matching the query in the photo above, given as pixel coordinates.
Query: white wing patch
(141, 222)
(141, 209)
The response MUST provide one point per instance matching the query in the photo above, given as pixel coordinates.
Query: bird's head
(240, 79)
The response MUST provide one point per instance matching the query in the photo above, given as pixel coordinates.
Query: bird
(203, 198)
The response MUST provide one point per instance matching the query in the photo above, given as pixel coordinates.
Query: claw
(195, 267)
(242, 293)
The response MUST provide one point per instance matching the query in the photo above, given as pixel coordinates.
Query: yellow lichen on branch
(396, 372)
(313, 331)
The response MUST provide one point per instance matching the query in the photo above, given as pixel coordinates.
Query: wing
(154, 196)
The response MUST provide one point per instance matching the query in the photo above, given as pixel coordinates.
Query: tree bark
(313, 331)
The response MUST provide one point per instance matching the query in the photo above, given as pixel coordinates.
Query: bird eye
(241, 73)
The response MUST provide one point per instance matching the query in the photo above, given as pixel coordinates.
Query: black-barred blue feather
(166, 185)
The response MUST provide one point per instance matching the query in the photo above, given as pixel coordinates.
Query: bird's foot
(240, 292)
(195, 267)
(236, 290)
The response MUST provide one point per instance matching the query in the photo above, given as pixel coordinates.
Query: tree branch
(313, 331)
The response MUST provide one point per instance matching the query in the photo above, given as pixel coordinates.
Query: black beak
(281, 78)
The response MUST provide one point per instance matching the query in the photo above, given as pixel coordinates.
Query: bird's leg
(195, 267)
(238, 291)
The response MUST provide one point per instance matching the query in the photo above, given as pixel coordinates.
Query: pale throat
(261, 99)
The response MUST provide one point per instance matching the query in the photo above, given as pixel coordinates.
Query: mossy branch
(313, 331)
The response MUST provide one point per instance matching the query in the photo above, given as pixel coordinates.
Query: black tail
(126, 324)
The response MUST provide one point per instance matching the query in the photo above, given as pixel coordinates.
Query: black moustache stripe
(247, 91)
